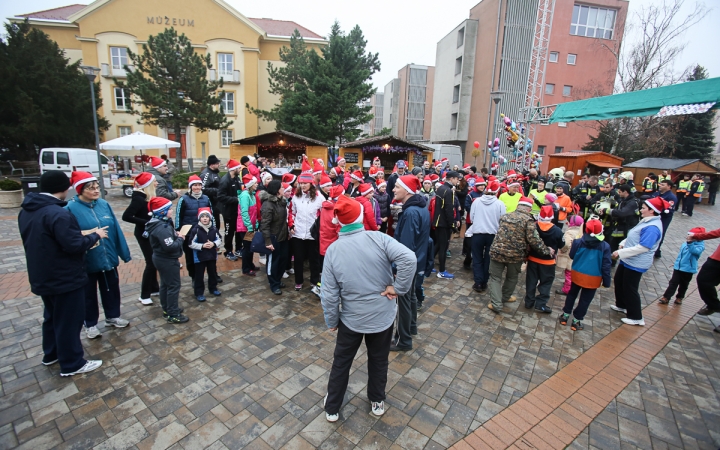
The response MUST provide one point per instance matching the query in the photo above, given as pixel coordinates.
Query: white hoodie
(485, 215)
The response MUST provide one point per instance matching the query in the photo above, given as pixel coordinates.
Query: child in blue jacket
(686, 264)
(591, 267)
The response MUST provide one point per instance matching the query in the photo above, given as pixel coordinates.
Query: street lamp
(91, 72)
(496, 96)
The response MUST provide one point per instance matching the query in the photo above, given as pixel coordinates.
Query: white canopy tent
(138, 142)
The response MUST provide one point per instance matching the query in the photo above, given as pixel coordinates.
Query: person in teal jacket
(247, 221)
(686, 264)
(101, 261)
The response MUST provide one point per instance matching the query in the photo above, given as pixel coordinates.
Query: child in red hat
(686, 264)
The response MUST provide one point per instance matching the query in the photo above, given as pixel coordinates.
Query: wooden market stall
(389, 148)
(579, 162)
(269, 145)
(676, 169)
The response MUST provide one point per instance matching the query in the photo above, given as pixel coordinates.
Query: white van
(72, 159)
(452, 152)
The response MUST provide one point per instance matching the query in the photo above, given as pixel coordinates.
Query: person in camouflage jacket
(516, 235)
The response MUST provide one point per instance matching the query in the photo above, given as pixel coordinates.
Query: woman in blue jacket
(101, 261)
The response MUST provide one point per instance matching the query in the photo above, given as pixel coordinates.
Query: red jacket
(368, 214)
(714, 234)
(328, 230)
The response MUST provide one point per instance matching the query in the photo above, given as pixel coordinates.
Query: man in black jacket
(210, 177)
(444, 220)
(51, 234)
(625, 216)
(228, 189)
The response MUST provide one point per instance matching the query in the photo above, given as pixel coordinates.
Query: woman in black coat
(137, 213)
(274, 225)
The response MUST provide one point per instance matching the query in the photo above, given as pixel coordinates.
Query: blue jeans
(480, 248)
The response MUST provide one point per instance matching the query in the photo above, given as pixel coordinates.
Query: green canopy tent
(683, 98)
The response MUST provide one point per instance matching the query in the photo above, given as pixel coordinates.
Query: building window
(225, 64)
(571, 59)
(118, 57)
(541, 149)
(554, 57)
(458, 65)
(549, 88)
(567, 91)
(558, 149)
(456, 93)
(228, 103)
(461, 37)
(124, 131)
(593, 22)
(226, 137)
(453, 121)
(122, 100)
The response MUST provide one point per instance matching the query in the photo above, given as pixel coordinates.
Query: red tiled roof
(61, 13)
(284, 28)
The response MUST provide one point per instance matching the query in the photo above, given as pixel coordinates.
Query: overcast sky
(405, 32)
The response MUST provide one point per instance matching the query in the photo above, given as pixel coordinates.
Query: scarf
(196, 195)
(205, 227)
(351, 227)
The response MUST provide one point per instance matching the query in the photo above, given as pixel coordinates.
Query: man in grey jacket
(358, 297)
(158, 167)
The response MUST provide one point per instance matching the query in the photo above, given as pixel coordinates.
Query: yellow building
(100, 34)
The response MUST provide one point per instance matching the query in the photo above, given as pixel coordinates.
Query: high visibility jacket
(683, 186)
(663, 178)
(700, 189)
(649, 185)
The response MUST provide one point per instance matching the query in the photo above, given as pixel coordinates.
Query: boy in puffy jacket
(686, 264)
(204, 240)
(591, 267)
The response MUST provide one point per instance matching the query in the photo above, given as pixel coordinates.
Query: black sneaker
(564, 318)
(576, 325)
(477, 288)
(177, 319)
(165, 314)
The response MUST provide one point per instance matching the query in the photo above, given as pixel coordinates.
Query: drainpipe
(490, 102)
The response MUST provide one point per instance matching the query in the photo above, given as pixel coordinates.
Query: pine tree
(44, 101)
(169, 88)
(695, 138)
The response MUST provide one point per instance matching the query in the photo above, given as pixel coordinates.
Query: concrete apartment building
(375, 125)
(490, 52)
(407, 102)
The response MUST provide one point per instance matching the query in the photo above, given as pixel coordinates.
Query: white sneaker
(291, 271)
(640, 322)
(92, 333)
(618, 309)
(316, 290)
(117, 322)
(328, 416)
(378, 408)
(145, 301)
(285, 275)
(88, 367)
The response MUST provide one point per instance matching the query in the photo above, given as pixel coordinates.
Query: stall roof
(660, 163)
(389, 137)
(605, 164)
(263, 138)
(647, 102)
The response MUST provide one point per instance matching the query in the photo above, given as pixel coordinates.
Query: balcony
(227, 77)
(109, 72)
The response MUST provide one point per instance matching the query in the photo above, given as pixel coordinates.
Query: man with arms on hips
(51, 233)
(365, 287)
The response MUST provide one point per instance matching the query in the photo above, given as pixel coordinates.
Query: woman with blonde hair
(137, 213)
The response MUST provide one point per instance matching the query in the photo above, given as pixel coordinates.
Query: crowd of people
(369, 243)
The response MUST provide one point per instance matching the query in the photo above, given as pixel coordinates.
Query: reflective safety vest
(663, 178)
(701, 188)
(683, 187)
(649, 185)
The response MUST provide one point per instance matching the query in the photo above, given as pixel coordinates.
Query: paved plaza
(250, 369)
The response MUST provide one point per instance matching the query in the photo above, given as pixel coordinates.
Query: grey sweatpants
(169, 270)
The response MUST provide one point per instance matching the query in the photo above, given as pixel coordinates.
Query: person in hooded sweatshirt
(485, 214)
(50, 233)
(541, 267)
(167, 247)
(93, 212)
(159, 169)
(204, 240)
(591, 267)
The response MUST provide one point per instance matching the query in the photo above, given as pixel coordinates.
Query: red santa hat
(79, 179)
(479, 181)
(249, 181)
(340, 160)
(409, 182)
(347, 211)
(158, 205)
(696, 230)
(546, 214)
(144, 180)
(427, 179)
(466, 166)
(338, 170)
(325, 180)
(513, 183)
(336, 191)
(156, 162)
(306, 165)
(594, 228)
(658, 204)
(205, 210)
(285, 187)
(492, 187)
(524, 201)
(365, 189)
(305, 177)
(377, 158)
(434, 177)
(357, 176)
(194, 179)
(438, 164)
(511, 173)
(232, 165)
(381, 184)
(492, 178)
(373, 171)
(317, 167)
(288, 178)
